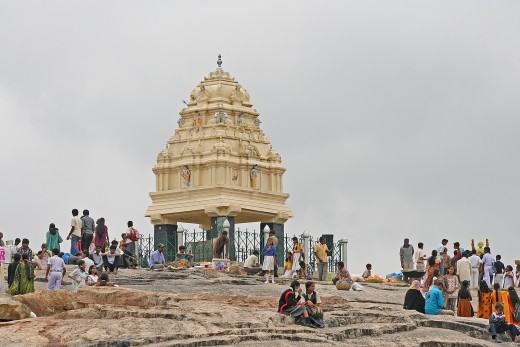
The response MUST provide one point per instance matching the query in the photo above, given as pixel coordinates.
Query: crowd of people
(447, 284)
(90, 250)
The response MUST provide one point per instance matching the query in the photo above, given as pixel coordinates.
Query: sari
(23, 282)
(503, 297)
(427, 282)
(102, 240)
(53, 240)
(484, 305)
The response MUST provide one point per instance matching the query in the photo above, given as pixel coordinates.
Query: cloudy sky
(394, 118)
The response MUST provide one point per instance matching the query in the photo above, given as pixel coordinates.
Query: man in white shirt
(420, 257)
(464, 268)
(475, 265)
(251, 265)
(56, 268)
(88, 262)
(75, 232)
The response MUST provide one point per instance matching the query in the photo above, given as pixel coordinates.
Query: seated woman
(92, 278)
(288, 304)
(342, 273)
(312, 301)
(78, 276)
(414, 299)
(464, 308)
(287, 270)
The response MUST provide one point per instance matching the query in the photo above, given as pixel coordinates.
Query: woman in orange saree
(433, 263)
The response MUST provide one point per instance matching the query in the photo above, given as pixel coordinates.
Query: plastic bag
(357, 287)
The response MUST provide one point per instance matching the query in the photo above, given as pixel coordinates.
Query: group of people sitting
(303, 305)
(93, 268)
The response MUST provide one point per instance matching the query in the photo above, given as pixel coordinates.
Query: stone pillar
(217, 228)
(306, 246)
(166, 234)
(280, 235)
(180, 236)
(343, 244)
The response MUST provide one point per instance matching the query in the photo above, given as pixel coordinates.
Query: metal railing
(243, 243)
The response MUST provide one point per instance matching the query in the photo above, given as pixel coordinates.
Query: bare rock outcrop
(11, 309)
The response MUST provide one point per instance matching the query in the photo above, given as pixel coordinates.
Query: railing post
(343, 243)
(180, 236)
(306, 246)
(266, 230)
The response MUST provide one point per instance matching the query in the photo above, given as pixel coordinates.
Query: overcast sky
(394, 119)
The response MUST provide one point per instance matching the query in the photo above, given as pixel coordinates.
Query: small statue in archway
(186, 175)
(252, 176)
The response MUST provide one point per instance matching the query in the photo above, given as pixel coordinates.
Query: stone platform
(204, 308)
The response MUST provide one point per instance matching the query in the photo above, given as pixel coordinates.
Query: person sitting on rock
(111, 260)
(97, 258)
(312, 301)
(182, 254)
(368, 271)
(221, 246)
(92, 278)
(129, 259)
(251, 265)
(104, 281)
(414, 299)
(41, 258)
(79, 276)
(435, 301)
(157, 258)
(498, 324)
(288, 304)
(288, 267)
(303, 271)
(342, 273)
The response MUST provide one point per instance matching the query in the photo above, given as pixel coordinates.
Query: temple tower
(218, 164)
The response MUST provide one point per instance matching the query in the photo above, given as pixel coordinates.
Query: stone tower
(218, 164)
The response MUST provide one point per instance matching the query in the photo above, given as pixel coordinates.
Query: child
(368, 271)
(92, 278)
(270, 255)
(287, 270)
(509, 278)
(451, 288)
(497, 324)
(502, 297)
(303, 273)
(78, 276)
(464, 308)
(499, 269)
(297, 252)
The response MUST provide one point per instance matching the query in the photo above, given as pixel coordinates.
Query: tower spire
(219, 61)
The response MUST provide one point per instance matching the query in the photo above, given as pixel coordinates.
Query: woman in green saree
(23, 278)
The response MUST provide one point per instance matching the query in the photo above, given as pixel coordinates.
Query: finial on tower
(219, 62)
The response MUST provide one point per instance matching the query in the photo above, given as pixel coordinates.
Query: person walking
(321, 251)
(56, 269)
(75, 232)
(87, 230)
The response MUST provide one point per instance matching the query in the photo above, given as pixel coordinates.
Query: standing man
(440, 252)
(475, 265)
(75, 232)
(25, 249)
(406, 253)
(275, 244)
(464, 268)
(87, 230)
(56, 267)
(133, 235)
(321, 251)
(221, 246)
(487, 265)
(420, 257)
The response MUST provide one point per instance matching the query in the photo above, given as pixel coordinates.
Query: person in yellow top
(297, 252)
(287, 271)
(321, 251)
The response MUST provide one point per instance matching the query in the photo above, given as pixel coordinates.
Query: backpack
(134, 234)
